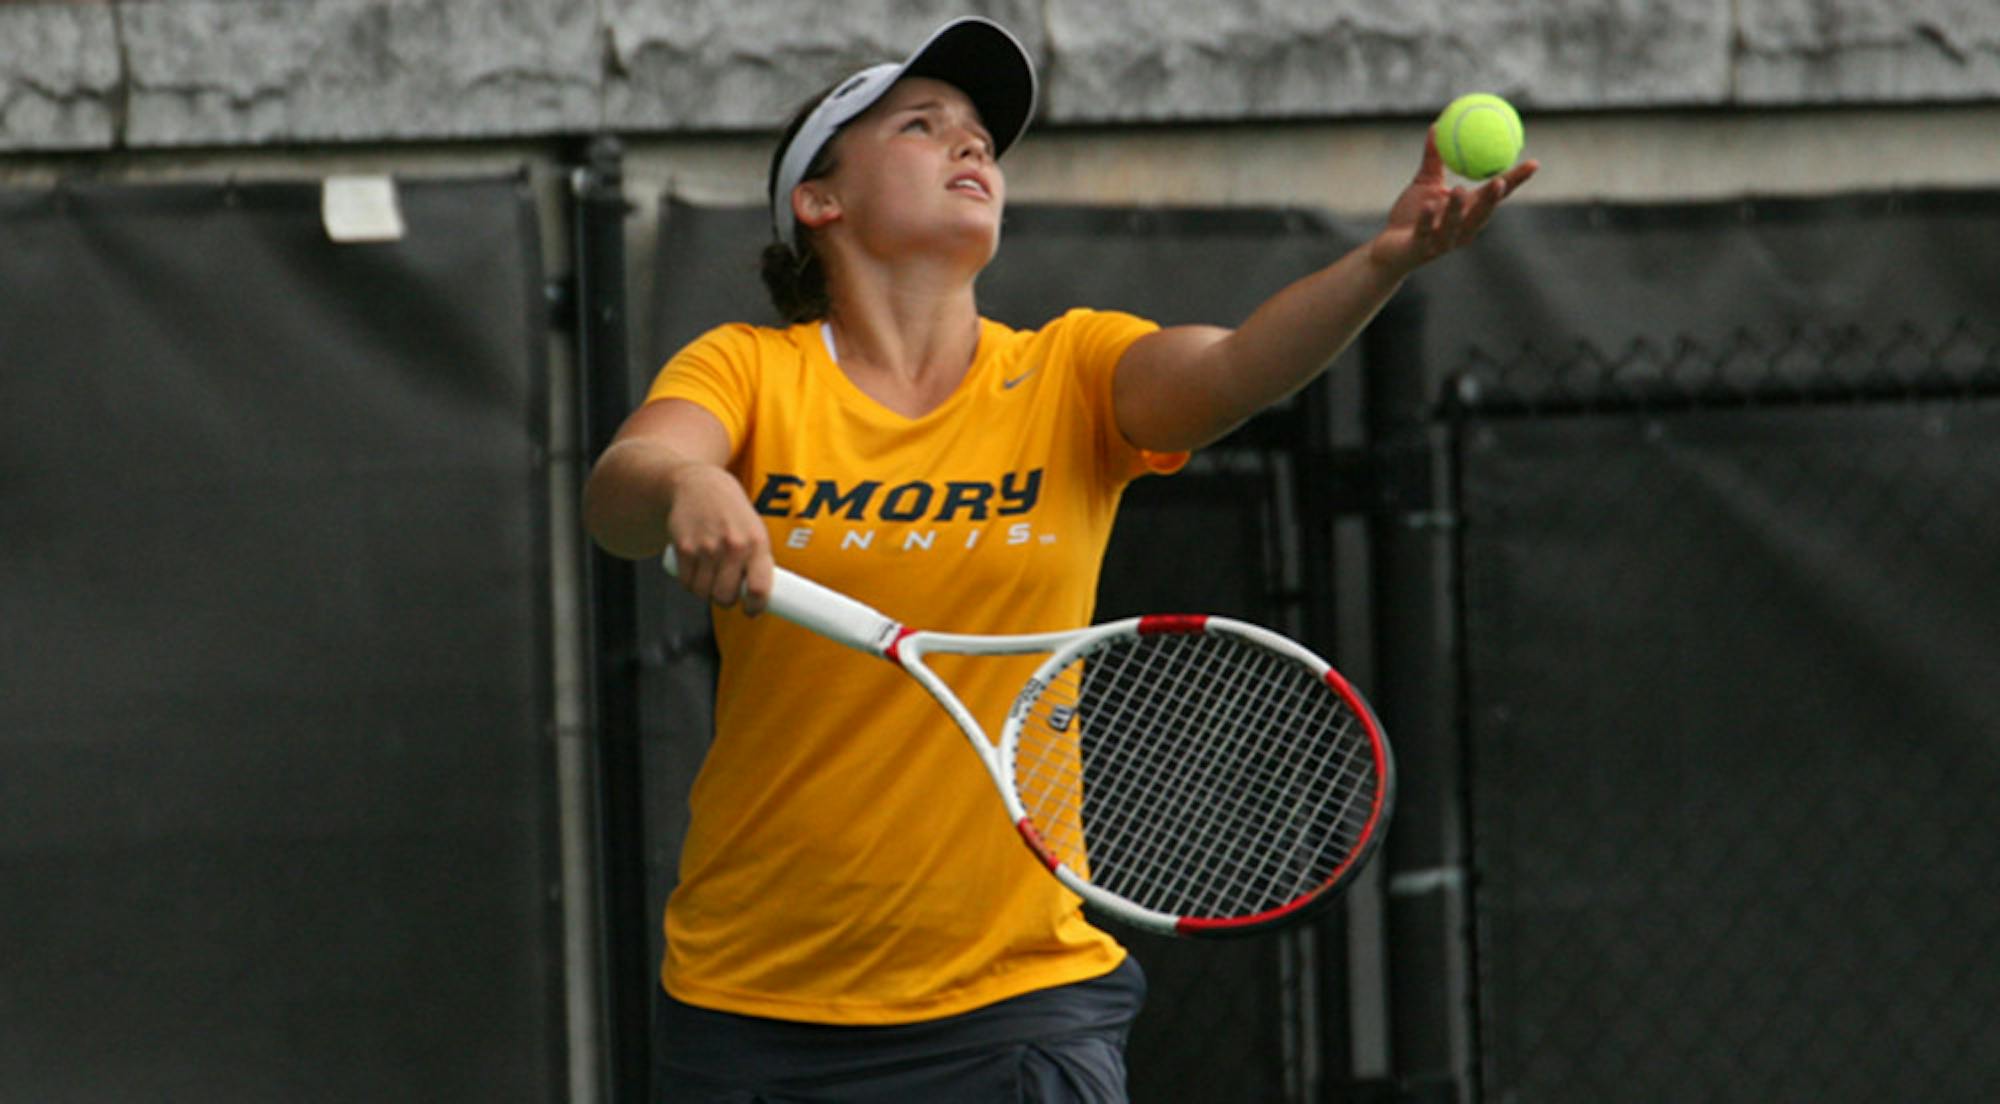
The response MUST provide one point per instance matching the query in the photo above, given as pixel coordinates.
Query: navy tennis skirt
(1064, 1045)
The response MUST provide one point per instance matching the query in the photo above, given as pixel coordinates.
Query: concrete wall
(1314, 103)
(146, 74)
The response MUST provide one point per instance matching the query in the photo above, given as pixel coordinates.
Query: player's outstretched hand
(1432, 217)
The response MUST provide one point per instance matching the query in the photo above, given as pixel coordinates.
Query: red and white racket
(1184, 774)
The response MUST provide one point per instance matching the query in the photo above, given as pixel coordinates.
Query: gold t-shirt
(848, 860)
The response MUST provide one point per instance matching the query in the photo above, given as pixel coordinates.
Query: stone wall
(161, 74)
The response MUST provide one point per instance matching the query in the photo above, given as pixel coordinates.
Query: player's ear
(815, 205)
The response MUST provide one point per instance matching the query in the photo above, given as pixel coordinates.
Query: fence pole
(1411, 540)
(599, 209)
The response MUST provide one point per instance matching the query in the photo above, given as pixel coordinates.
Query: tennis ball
(1479, 135)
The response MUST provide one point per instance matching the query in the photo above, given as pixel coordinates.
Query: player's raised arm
(1186, 386)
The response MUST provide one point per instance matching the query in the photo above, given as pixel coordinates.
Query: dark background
(1660, 536)
(275, 789)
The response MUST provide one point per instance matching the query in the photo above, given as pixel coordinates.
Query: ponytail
(793, 274)
(796, 282)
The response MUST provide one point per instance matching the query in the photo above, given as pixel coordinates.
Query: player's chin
(977, 236)
(993, 242)
(965, 228)
(980, 215)
(976, 205)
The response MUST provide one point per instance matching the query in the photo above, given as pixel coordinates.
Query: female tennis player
(854, 920)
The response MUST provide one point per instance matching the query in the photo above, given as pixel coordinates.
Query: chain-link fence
(1733, 731)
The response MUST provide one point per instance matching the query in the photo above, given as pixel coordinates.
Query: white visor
(977, 56)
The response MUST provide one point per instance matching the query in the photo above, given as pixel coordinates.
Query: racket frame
(1068, 647)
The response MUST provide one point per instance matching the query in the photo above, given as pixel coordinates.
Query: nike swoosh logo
(1010, 384)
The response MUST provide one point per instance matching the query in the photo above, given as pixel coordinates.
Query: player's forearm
(1188, 386)
(629, 495)
(1296, 333)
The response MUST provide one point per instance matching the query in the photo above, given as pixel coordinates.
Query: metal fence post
(598, 213)
(1411, 556)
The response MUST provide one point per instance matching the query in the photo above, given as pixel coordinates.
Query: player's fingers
(694, 572)
(1519, 175)
(1452, 225)
(757, 582)
(713, 569)
(732, 570)
(1480, 210)
(727, 587)
(1431, 168)
(1430, 218)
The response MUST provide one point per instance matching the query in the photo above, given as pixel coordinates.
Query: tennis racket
(1184, 774)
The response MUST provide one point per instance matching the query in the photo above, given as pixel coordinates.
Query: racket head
(1197, 776)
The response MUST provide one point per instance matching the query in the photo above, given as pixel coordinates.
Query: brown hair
(793, 274)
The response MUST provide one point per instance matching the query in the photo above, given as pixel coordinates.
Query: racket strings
(1258, 803)
(1197, 775)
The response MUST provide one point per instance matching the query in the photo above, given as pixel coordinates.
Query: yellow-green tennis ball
(1479, 135)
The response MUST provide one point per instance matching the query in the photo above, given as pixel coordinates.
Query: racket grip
(821, 609)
